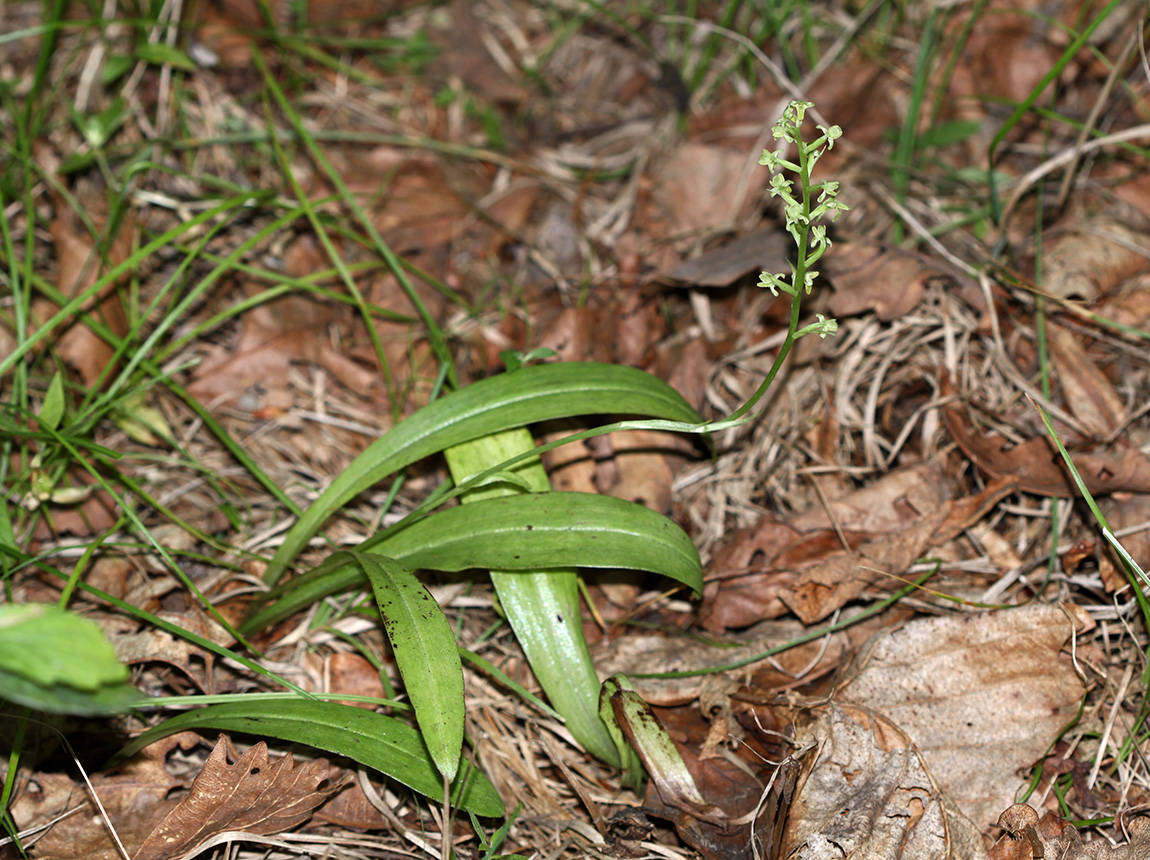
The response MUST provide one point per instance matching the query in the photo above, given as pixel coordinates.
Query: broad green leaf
(532, 531)
(425, 652)
(390, 746)
(116, 698)
(542, 605)
(49, 645)
(529, 395)
(52, 409)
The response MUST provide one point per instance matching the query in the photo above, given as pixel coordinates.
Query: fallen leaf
(1087, 392)
(869, 793)
(765, 248)
(1037, 466)
(1026, 837)
(252, 795)
(982, 696)
(1091, 256)
(831, 584)
(79, 268)
(135, 800)
(643, 653)
(698, 186)
(873, 277)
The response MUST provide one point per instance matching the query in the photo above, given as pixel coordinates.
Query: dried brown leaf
(1038, 467)
(873, 277)
(983, 696)
(254, 795)
(870, 794)
(1088, 393)
(79, 268)
(833, 583)
(1091, 258)
(135, 800)
(1028, 838)
(765, 248)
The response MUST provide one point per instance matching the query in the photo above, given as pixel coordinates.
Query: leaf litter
(588, 220)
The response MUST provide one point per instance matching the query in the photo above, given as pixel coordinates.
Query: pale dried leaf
(253, 795)
(870, 795)
(1091, 258)
(983, 696)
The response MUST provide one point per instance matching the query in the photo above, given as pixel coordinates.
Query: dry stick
(1066, 157)
(1119, 695)
(1092, 120)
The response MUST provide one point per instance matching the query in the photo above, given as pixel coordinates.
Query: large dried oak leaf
(254, 795)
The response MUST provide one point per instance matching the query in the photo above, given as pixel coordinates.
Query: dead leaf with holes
(254, 795)
(982, 696)
(135, 799)
(869, 793)
(1092, 256)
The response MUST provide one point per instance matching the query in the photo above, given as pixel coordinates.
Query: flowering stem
(800, 218)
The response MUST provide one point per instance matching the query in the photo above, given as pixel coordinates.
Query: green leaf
(52, 409)
(49, 646)
(634, 720)
(63, 699)
(163, 54)
(529, 395)
(542, 605)
(54, 660)
(526, 532)
(390, 746)
(425, 652)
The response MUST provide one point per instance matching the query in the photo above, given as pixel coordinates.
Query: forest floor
(375, 202)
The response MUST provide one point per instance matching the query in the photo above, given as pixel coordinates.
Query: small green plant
(531, 539)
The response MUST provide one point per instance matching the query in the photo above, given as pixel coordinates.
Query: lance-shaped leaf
(530, 395)
(635, 720)
(531, 531)
(425, 652)
(390, 746)
(542, 605)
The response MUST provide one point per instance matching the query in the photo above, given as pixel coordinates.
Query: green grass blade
(533, 394)
(425, 652)
(517, 533)
(389, 745)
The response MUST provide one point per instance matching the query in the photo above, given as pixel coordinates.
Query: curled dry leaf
(869, 793)
(253, 795)
(983, 696)
(1092, 257)
(833, 583)
(1026, 837)
(1088, 393)
(1038, 467)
